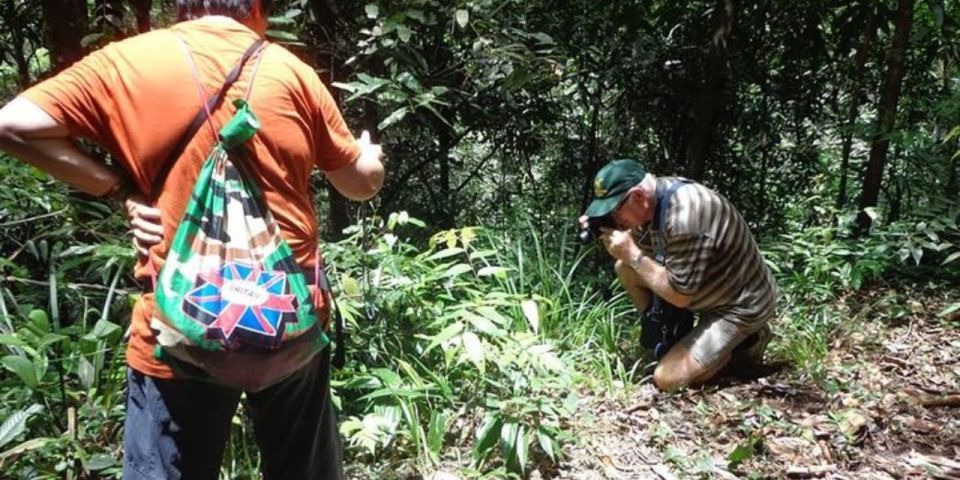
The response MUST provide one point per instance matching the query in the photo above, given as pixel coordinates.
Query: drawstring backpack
(232, 305)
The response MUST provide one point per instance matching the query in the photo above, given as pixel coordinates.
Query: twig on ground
(941, 401)
(663, 472)
(811, 471)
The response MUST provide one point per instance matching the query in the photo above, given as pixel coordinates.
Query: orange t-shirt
(137, 96)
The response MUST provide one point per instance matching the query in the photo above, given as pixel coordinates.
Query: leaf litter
(887, 406)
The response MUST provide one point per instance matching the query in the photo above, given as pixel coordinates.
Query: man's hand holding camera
(620, 245)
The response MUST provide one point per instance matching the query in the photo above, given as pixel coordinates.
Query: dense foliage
(475, 321)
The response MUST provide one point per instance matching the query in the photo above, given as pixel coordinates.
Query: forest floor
(883, 403)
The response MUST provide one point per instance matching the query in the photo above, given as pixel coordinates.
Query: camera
(592, 231)
(663, 325)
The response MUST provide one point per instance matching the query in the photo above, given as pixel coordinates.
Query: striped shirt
(712, 256)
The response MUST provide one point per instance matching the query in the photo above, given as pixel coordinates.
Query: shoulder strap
(663, 202)
(659, 236)
(202, 114)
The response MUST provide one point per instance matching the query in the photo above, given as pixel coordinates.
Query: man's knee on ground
(666, 379)
(679, 369)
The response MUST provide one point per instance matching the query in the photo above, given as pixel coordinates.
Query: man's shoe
(750, 352)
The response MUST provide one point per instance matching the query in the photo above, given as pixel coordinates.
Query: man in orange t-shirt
(135, 98)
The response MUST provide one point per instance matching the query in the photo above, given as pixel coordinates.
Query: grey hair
(236, 9)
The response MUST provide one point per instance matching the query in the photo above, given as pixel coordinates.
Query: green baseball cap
(611, 185)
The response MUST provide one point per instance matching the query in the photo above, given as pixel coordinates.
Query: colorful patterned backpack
(233, 306)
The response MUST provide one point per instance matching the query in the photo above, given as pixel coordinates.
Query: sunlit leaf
(953, 256)
(473, 348)
(949, 310)
(532, 313)
(456, 270)
(462, 16)
(447, 252)
(15, 424)
(492, 271)
(445, 335)
(32, 444)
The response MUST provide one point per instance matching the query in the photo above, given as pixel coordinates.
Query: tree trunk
(141, 10)
(338, 211)
(65, 23)
(17, 49)
(710, 102)
(940, 132)
(895, 192)
(859, 93)
(887, 111)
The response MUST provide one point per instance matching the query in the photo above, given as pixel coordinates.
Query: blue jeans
(178, 429)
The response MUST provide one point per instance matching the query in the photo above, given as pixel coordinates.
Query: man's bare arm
(363, 178)
(658, 280)
(31, 135)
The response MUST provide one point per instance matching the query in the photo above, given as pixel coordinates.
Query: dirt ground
(884, 404)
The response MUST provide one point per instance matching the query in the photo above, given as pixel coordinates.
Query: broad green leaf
(492, 270)
(953, 256)
(100, 461)
(950, 309)
(508, 441)
(447, 252)
(24, 369)
(463, 16)
(473, 348)
(281, 21)
(51, 338)
(404, 33)
(416, 15)
(86, 372)
(488, 436)
(743, 452)
(12, 340)
(89, 39)
(543, 38)
(484, 326)
(458, 269)
(105, 328)
(547, 443)
(467, 235)
(445, 335)
(482, 254)
(917, 254)
(523, 448)
(32, 444)
(532, 313)
(436, 432)
(39, 319)
(282, 35)
(15, 424)
(394, 117)
(493, 315)
(389, 377)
